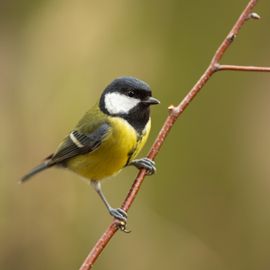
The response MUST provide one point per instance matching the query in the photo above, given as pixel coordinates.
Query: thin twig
(243, 68)
(174, 113)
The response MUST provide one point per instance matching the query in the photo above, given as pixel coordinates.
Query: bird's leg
(117, 213)
(144, 163)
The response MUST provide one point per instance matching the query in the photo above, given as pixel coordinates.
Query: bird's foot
(121, 217)
(119, 214)
(145, 163)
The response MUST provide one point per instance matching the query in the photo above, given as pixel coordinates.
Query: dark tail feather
(39, 168)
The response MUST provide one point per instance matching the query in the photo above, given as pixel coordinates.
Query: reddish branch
(174, 113)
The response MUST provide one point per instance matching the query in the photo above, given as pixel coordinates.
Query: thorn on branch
(231, 37)
(254, 16)
(173, 110)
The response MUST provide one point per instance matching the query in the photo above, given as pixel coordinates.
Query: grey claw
(118, 213)
(145, 163)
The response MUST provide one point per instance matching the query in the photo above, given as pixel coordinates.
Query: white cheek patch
(116, 103)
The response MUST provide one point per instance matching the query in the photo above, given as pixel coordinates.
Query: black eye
(131, 93)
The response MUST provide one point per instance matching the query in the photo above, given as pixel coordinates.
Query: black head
(130, 99)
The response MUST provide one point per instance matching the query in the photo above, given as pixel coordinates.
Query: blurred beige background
(208, 207)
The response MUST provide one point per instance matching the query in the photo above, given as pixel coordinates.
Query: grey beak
(151, 101)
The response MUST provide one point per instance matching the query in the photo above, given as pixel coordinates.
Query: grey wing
(78, 143)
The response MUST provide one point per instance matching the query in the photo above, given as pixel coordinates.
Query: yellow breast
(113, 153)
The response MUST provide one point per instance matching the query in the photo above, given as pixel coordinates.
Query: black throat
(137, 117)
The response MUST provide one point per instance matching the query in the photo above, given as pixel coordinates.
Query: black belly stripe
(133, 150)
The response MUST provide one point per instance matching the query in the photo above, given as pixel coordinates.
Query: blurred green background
(208, 207)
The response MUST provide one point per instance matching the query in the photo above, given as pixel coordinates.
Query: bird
(108, 137)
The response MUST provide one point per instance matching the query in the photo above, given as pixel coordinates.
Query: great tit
(108, 137)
